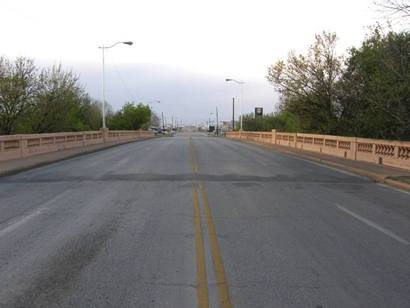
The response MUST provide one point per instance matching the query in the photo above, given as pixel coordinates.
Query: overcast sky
(183, 49)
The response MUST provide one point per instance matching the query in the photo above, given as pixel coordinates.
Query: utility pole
(240, 83)
(217, 120)
(163, 123)
(233, 113)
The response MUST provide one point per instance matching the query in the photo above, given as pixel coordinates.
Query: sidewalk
(17, 165)
(395, 177)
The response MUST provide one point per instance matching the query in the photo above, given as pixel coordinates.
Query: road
(196, 221)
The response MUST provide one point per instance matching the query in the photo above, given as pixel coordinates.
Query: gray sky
(183, 49)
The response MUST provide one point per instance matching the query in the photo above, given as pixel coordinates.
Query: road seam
(68, 156)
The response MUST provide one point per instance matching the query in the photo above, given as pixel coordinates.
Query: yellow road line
(201, 277)
(221, 281)
(194, 161)
(202, 283)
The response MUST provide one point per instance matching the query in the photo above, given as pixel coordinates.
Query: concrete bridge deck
(198, 221)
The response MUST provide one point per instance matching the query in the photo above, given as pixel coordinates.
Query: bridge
(200, 221)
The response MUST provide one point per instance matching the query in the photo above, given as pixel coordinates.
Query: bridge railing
(25, 145)
(387, 152)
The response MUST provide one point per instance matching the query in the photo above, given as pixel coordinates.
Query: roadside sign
(258, 112)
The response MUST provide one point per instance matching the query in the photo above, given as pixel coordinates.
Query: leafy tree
(130, 117)
(18, 87)
(395, 8)
(374, 92)
(58, 102)
(307, 84)
(90, 113)
(53, 100)
(282, 121)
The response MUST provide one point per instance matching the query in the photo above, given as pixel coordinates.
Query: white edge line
(20, 222)
(393, 188)
(23, 219)
(373, 225)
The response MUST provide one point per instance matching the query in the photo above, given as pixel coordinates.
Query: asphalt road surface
(197, 221)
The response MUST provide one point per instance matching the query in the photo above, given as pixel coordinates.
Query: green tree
(90, 113)
(374, 93)
(397, 9)
(130, 117)
(282, 121)
(307, 84)
(58, 102)
(18, 87)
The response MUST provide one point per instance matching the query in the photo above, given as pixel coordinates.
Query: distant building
(190, 128)
(226, 126)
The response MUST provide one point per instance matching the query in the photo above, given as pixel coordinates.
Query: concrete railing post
(273, 136)
(396, 151)
(353, 148)
(105, 135)
(23, 146)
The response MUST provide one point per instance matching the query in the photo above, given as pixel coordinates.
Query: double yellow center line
(202, 281)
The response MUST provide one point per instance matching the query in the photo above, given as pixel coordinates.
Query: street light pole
(103, 48)
(233, 113)
(217, 121)
(241, 100)
(150, 102)
(241, 105)
(209, 122)
(103, 87)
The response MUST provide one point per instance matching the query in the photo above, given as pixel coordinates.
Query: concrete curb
(54, 160)
(370, 175)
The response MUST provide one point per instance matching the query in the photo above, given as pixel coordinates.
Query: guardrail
(386, 152)
(25, 145)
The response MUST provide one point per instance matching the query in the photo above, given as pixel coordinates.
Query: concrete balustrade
(386, 152)
(25, 145)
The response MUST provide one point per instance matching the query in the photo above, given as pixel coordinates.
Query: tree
(91, 113)
(282, 121)
(130, 117)
(54, 100)
(58, 102)
(307, 84)
(374, 93)
(18, 87)
(395, 8)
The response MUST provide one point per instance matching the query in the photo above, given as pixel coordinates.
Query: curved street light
(103, 48)
(240, 106)
(154, 101)
(151, 102)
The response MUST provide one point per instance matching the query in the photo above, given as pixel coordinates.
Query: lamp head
(128, 43)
